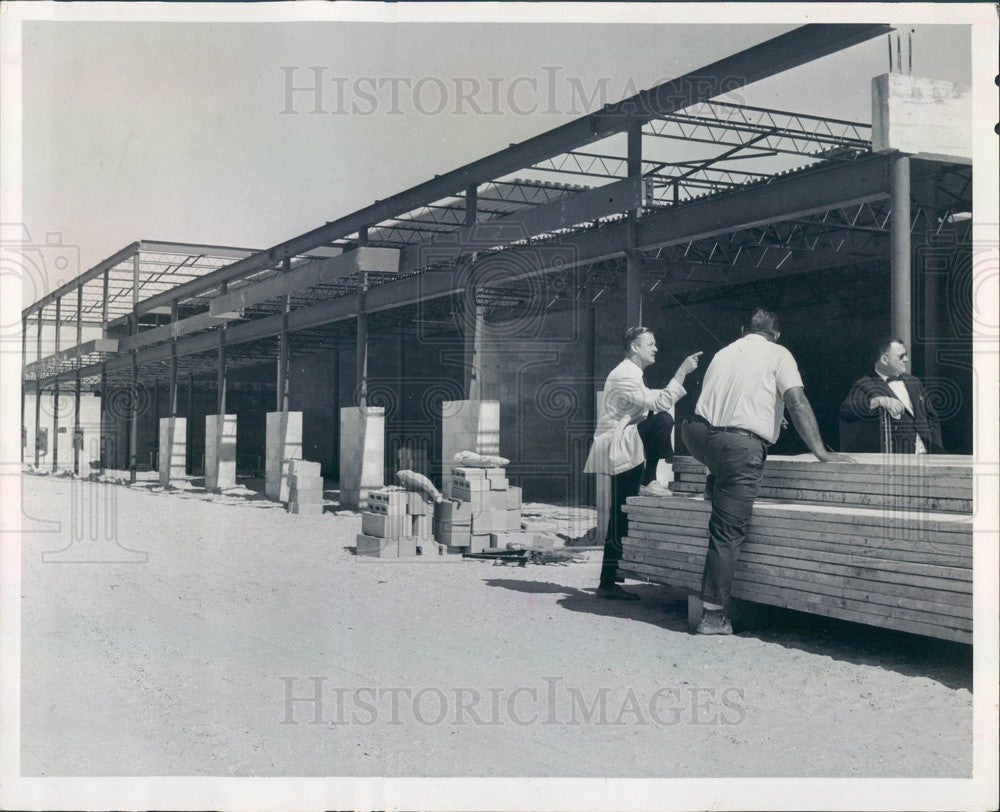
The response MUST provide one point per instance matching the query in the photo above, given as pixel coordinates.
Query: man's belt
(731, 430)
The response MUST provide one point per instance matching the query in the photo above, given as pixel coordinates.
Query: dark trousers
(655, 433)
(736, 463)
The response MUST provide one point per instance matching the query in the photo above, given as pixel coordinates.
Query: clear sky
(176, 130)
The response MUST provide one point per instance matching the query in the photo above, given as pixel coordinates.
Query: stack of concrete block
(484, 507)
(305, 488)
(467, 425)
(396, 524)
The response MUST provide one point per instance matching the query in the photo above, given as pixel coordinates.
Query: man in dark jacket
(889, 402)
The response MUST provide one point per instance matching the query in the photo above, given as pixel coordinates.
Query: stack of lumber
(484, 508)
(901, 482)
(396, 524)
(868, 542)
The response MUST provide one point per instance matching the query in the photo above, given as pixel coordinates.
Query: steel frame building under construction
(511, 278)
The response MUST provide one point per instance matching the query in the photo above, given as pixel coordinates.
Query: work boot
(615, 593)
(654, 488)
(714, 621)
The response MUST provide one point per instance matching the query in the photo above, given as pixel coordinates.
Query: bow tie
(893, 380)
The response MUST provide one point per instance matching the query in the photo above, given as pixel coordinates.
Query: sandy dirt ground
(186, 656)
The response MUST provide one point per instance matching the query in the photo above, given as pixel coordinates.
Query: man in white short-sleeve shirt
(738, 416)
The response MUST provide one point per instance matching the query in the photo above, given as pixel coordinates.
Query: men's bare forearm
(804, 420)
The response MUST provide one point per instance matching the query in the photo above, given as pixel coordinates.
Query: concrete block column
(220, 451)
(173, 449)
(284, 443)
(362, 454)
(467, 425)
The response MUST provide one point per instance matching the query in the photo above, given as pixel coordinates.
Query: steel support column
(55, 401)
(173, 365)
(102, 441)
(362, 337)
(77, 440)
(133, 413)
(899, 230)
(221, 380)
(104, 305)
(281, 390)
(633, 271)
(189, 433)
(24, 363)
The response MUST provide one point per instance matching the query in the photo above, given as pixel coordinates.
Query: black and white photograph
(531, 406)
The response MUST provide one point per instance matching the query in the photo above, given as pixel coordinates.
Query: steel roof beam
(781, 53)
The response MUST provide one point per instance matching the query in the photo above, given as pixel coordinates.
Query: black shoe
(615, 593)
(714, 621)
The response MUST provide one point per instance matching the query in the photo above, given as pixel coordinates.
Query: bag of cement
(470, 459)
(413, 481)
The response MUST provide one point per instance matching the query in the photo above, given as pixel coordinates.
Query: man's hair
(631, 334)
(762, 321)
(881, 346)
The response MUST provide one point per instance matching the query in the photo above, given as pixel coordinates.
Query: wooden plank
(816, 572)
(790, 601)
(844, 522)
(875, 551)
(824, 513)
(875, 606)
(811, 479)
(923, 488)
(848, 499)
(897, 465)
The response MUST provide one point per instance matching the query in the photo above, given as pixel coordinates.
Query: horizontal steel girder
(781, 53)
(789, 197)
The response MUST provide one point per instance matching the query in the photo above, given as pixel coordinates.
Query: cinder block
(479, 543)
(306, 508)
(304, 482)
(462, 472)
(489, 521)
(471, 484)
(501, 540)
(495, 472)
(376, 547)
(380, 525)
(417, 504)
(513, 519)
(303, 468)
(454, 549)
(406, 546)
(498, 483)
(512, 498)
(422, 526)
(449, 512)
(455, 535)
(476, 499)
(495, 500)
(392, 501)
(313, 496)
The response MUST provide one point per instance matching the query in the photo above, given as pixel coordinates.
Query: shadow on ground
(665, 607)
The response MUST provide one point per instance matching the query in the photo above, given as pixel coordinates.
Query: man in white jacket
(632, 436)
